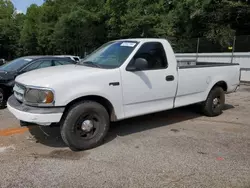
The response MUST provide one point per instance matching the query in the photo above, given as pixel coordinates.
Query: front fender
(112, 94)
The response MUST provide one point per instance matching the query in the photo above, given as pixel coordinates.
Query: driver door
(149, 90)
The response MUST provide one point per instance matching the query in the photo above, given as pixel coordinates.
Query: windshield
(110, 55)
(15, 64)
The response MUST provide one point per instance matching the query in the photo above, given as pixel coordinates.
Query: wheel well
(101, 100)
(2, 86)
(6, 89)
(221, 84)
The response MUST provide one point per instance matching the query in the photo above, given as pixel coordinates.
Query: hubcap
(216, 102)
(87, 126)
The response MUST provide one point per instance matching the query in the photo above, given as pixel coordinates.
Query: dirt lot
(177, 148)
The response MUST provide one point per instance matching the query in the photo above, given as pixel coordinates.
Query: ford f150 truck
(121, 79)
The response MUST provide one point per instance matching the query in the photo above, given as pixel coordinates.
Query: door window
(38, 64)
(62, 62)
(155, 55)
(44, 64)
(33, 66)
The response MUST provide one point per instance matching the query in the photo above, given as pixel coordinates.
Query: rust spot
(8, 132)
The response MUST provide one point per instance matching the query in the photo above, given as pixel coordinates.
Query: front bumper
(37, 115)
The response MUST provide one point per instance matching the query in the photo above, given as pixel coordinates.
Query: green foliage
(142, 19)
(10, 27)
(29, 33)
(71, 27)
(83, 27)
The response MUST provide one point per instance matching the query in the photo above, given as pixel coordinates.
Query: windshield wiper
(91, 63)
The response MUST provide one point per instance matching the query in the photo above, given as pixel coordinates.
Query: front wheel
(85, 125)
(215, 102)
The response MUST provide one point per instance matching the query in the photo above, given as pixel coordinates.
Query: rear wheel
(85, 125)
(2, 98)
(215, 102)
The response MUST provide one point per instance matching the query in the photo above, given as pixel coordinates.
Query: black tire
(210, 108)
(71, 126)
(2, 99)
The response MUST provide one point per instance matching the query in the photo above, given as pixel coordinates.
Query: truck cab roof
(143, 39)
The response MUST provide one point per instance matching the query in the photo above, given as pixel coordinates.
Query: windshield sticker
(28, 59)
(128, 44)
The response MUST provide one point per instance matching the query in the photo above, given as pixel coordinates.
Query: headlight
(39, 97)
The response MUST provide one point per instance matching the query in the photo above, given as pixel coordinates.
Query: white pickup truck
(121, 79)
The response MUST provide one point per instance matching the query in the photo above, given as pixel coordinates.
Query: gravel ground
(176, 148)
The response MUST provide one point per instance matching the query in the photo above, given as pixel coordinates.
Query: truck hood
(47, 77)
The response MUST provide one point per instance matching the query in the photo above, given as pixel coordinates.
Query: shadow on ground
(50, 136)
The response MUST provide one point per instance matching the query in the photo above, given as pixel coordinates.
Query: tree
(114, 11)
(10, 25)
(82, 28)
(29, 33)
(215, 20)
(62, 26)
(145, 19)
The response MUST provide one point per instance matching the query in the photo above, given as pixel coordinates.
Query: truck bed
(196, 79)
(186, 64)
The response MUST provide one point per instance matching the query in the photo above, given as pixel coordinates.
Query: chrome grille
(19, 91)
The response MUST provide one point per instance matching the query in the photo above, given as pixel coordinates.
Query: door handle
(114, 84)
(170, 78)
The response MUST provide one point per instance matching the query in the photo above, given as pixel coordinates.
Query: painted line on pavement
(13, 131)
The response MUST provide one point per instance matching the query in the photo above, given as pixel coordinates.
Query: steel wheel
(87, 126)
(213, 106)
(216, 102)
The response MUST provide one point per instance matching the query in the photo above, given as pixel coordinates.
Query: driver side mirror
(139, 64)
